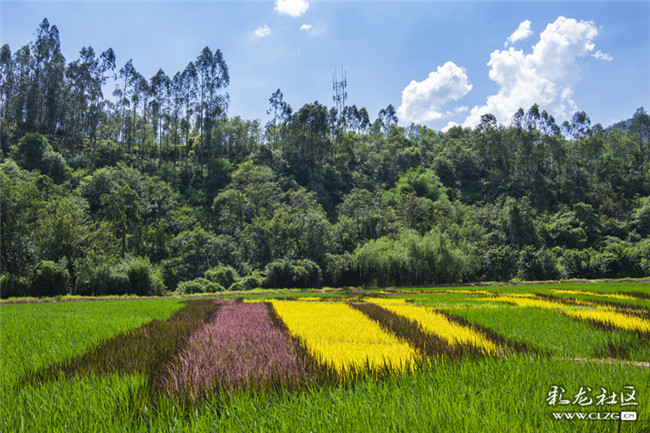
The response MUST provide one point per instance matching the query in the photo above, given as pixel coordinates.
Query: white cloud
(449, 126)
(545, 76)
(306, 27)
(522, 32)
(423, 101)
(263, 32)
(602, 56)
(294, 8)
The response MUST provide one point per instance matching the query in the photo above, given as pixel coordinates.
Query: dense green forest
(155, 189)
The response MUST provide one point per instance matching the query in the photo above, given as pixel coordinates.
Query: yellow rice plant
(437, 324)
(597, 313)
(344, 337)
(604, 295)
(387, 301)
(526, 301)
(612, 318)
(470, 292)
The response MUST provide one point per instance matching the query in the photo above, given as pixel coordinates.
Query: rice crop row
(612, 318)
(239, 348)
(143, 350)
(343, 337)
(600, 304)
(429, 345)
(547, 331)
(438, 325)
(586, 293)
(633, 307)
(596, 314)
(38, 334)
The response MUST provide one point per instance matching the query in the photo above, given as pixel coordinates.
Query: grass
(551, 332)
(107, 356)
(39, 334)
(147, 349)
(506, 395)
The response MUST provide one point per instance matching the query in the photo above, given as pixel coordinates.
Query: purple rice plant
(239, 349)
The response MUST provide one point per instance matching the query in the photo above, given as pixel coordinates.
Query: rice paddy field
(571, 357)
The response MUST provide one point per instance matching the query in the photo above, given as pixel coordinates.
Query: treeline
(154, 192)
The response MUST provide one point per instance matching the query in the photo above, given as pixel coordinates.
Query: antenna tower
(340, 94)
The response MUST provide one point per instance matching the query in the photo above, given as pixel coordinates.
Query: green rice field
(570, 357)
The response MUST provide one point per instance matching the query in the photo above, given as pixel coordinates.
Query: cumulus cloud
(423, 101)
(449, 126)
(545, 76)
(294, 8)
(602, 56)
(522, 32)
(306, 27)
(262, 32)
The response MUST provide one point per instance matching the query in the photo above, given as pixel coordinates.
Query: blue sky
(429, 59)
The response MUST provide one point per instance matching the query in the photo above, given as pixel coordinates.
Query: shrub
(11, 286)
(499, 263)
(198, 285)
(294, 274)
(222, 275)
(537, 265)
(576, 264)
(643, 253)
(413, 259)
(132, 275)
(251, 281)
(340, 270)
(48, 279)
(144, 278)
(101, 281)
(33, 152)
(306, 273)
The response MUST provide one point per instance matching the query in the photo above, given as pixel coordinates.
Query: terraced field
(447, 359)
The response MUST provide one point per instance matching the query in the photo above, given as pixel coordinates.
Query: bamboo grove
(114, 183)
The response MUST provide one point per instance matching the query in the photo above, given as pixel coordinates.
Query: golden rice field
(343, 337)
(439, 325)
(346, 339)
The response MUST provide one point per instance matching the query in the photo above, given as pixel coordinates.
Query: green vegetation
(105, 365)
(147, 350)
(549, 331)
(157, 190)
(35, 335)
(495, 395)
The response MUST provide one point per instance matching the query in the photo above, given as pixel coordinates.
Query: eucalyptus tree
(7, 85)
(281, 115)
(188, 89)
(84, 93)
(131, 93)
(23, 71)
(48, 66)
(213, 76)
(160, 86)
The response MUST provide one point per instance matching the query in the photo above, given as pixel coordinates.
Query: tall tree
(7, 86)
(213, 77)
(281, 114)
(160, 86)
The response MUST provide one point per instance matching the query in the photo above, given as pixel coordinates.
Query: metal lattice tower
(340, 94)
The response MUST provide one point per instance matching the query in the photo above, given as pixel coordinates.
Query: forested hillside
(153, 188)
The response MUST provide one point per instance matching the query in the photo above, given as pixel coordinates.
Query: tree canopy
(153, 185)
